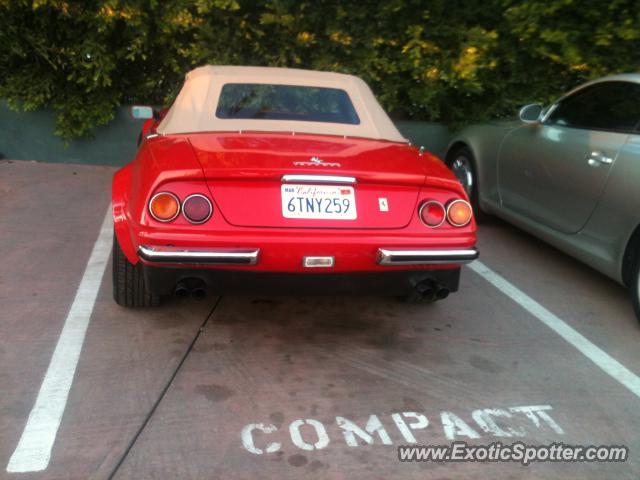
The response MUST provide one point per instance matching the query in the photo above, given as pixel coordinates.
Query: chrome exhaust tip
(181, 290)
(199, 293)
(442, 293)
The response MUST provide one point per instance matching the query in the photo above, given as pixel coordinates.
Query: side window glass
(613, 106)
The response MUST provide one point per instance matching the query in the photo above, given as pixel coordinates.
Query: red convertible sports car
(279, 181)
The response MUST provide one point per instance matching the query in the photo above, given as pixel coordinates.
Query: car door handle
(596, 158)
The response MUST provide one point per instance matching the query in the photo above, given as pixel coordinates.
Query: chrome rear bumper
(390, 256)
(197, 256)
(238, 256)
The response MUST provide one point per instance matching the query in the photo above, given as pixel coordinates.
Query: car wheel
(462, 163)
(129, 289)
(634, 287)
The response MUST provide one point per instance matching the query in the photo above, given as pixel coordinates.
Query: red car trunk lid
(244, 173)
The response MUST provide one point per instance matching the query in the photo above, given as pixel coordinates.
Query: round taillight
(197, 208)
(432, 213)
(459, 213)
(164, 206)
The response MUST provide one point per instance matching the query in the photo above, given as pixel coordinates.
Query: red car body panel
(378, 167)
(241, 173)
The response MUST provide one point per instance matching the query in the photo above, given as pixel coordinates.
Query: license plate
(329, 202)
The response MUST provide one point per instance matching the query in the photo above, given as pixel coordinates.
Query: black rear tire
(129, 289)
(463, 153)
(634, 287)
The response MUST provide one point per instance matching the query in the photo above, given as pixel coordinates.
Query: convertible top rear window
(285, 102)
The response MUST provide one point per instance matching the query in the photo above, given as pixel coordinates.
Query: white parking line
(598, 356)
(34, 448)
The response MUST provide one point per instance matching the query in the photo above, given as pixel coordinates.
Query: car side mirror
(143, 112)
(531, 113)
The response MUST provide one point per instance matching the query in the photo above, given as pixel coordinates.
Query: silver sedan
(568, 173)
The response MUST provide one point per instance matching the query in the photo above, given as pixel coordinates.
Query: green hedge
(442, 60)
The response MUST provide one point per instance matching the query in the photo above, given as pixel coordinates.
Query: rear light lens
(432, 213)
(164, 206)
(197, 208)
(459, 213)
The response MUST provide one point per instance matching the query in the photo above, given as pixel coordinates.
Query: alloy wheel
(462, 169)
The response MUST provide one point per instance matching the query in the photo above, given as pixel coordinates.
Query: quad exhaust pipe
(182, 290)
(197, 289)
(198, 293)
(193, 287)
(431, 289)
(442, 293)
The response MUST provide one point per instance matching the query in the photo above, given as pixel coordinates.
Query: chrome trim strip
(318, 179)
(196, 256)
(389, 256)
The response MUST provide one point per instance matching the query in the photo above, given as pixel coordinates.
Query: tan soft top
(194, 108)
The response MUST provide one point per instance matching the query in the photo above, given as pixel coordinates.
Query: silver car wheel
(462, 169)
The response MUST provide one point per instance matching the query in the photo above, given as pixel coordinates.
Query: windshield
(285, 102)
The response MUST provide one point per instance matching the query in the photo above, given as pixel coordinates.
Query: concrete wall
(29, 136)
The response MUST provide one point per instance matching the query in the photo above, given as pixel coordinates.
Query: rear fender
(159, 161)
(120, 189)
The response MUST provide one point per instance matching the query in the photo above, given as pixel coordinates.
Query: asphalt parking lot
(286, 387)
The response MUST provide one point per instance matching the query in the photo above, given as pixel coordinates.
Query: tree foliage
(444, 60)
